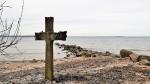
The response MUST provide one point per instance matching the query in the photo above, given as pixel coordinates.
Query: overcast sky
(85, 17)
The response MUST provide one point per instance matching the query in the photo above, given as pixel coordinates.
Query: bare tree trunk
(9, 33)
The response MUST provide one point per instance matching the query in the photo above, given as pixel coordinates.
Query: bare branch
(9, 33)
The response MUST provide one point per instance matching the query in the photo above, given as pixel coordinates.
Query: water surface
(31, 49)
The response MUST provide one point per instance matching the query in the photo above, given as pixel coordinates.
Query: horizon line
(80, 36)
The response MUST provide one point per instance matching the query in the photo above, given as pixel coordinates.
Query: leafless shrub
(9, 32)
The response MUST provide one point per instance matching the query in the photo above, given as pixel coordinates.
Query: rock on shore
(133, 56)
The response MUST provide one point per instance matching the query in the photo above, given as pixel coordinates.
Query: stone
(134, 57)
(68, 55)
(148, 64)
(34, 61)
(107, 53)
(144, 62)
(125, 53)
(142, 57)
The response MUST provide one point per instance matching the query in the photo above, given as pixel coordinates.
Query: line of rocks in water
(77, 51)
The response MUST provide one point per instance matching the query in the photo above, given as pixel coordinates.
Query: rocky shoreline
(81, 66)
(77, 51)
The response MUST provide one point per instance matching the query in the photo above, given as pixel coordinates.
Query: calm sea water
(31, 49)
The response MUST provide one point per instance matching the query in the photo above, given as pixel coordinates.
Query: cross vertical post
(49, 49)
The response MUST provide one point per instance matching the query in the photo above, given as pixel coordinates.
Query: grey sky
(86, 17)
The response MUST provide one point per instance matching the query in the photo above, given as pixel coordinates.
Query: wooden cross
(49, 36)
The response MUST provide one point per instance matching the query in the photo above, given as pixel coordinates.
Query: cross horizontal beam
(51, 36)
